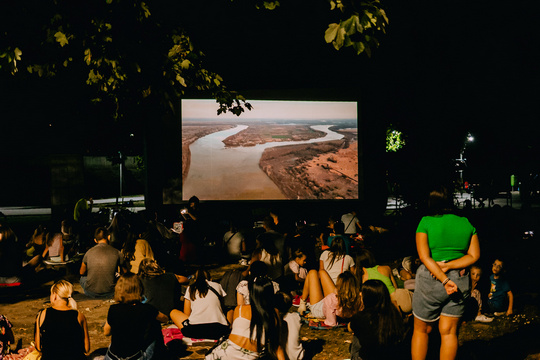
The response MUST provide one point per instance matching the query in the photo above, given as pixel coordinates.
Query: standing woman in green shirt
(447, 245)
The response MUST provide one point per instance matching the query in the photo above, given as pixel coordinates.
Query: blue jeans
(147, 354)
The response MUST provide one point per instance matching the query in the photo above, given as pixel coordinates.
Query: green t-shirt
(449, 235)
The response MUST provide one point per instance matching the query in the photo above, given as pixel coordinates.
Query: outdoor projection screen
(280, 150)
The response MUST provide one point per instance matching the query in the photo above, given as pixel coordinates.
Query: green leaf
(87, 56)
(185, 64)
(17, 53)
(340, 39)
(359, 27)
(331, 33)
(145, 8)
(61, 38)
(359, 47)
(383, 14)
(181, 80)
(271, 5)
(348, 25)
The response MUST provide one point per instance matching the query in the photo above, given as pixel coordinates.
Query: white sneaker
(483, 318)
(500, 313)
(302, 308)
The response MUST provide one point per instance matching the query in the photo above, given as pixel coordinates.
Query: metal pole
(121, 175)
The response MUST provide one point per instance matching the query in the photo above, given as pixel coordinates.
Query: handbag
(170, 334)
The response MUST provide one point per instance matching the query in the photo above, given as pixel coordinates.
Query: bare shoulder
(385, 270)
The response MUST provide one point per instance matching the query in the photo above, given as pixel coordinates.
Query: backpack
(229, 282)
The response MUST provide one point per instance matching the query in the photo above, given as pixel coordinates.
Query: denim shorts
(430, 300)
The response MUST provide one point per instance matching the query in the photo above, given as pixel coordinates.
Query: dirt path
(514, 337)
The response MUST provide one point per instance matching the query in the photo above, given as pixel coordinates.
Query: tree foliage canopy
(130, 51)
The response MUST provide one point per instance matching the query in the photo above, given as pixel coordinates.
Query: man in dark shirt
(99, 267)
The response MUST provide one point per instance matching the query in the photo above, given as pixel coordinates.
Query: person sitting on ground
(268, 253)
(134, 327)
(36, 245)
(61, 332)
(255, 328)
(234, 242)
(500, 298)
(135, 250)
(378, 329)
(291, 324)
(118, 228)
(99, 267)
(295, 272)
(407, 273)
(335, 260)
(10, 257)
(368, 269)
(326, 232)
(255, 270)
(6, 336)
(339, 230)
(54, 249)
(344, 300)
(271, 233)
(473, 305)
(203, 317)
(161, 289)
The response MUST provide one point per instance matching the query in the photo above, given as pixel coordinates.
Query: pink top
(331, 309)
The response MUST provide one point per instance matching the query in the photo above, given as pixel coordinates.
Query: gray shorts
(317, 310)
(430, 300)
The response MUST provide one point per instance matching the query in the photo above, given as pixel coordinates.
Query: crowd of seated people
(328, 273)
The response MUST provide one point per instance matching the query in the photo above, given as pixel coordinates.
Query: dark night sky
(444, 68)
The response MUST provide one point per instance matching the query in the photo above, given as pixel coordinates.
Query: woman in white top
(335, 260)
(202, 317)
(255, 327)
(255, 270)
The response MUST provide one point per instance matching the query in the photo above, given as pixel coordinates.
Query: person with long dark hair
(256, 328)
(447, 245)
(203, 317)
(335, 260)
(378, 329)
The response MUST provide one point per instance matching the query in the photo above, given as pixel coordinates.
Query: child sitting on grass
(476, 296)
(500, 298)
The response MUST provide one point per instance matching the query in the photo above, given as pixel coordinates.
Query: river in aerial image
(232, 173)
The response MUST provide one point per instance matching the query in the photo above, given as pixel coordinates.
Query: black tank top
(62, 336)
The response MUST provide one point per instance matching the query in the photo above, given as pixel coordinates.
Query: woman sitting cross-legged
(256, 328)
(61, 330)
(202, 317)
(134, 326)
(161, 289)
